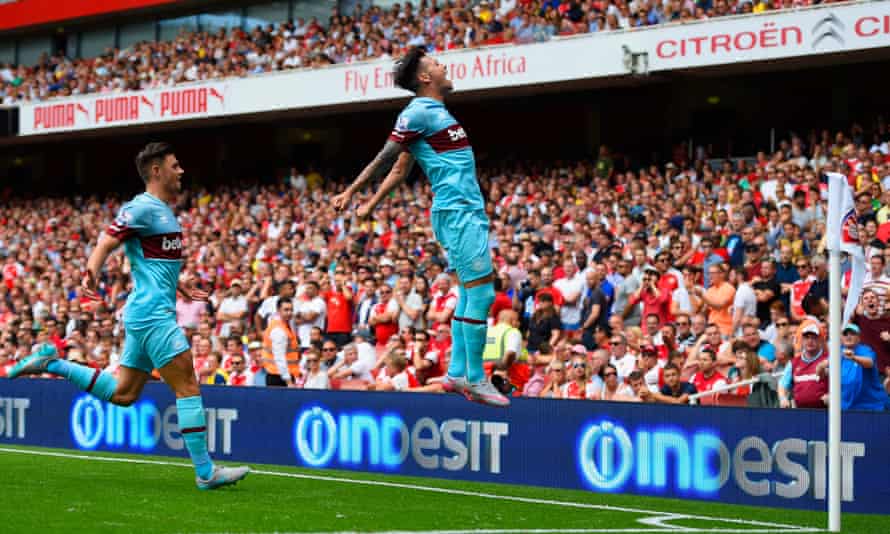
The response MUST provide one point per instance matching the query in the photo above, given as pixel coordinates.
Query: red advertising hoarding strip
(33, 12)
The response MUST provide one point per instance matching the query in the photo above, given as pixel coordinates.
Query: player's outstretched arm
(399, 171)
(380, 164)
(104, 248)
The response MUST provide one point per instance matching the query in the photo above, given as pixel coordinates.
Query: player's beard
(174, 186)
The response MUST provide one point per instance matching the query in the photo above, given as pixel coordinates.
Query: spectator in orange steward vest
(281, 348)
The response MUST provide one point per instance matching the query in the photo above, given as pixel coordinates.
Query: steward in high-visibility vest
(281, 371)
(503, 343)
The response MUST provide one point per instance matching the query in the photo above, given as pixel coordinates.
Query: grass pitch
(45, 490)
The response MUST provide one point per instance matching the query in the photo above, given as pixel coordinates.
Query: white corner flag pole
(834, 388)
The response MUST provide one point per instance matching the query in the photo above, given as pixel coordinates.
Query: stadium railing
(719, 395)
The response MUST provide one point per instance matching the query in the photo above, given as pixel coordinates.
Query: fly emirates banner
(771, 36)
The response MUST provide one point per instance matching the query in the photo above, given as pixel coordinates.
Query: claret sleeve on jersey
(410, 126)
(128, 223)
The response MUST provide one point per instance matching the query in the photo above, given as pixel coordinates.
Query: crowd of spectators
(361, 35)
(646, 284)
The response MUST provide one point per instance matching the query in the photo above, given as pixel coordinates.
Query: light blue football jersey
(440, 146)
(152, 241)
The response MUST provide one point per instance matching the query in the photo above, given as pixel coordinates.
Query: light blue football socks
(457, 367)
(96, 382)
(475, 320)
(193, 427)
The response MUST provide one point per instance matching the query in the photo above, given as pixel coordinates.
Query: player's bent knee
(479, 301)
(179, 374)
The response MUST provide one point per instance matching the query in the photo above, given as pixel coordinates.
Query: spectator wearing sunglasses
(579, 385)
(613, 388)
(777, 329)
(239, 374)
(315, 377)
(623, 360)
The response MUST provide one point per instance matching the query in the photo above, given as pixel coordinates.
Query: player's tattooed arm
(379, 165)
(400, 170)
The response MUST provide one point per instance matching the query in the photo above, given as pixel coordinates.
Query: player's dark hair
(405, 73)
(281, 302)
(150, 155)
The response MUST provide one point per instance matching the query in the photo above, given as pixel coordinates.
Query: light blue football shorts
(154, 345)
(464, 235)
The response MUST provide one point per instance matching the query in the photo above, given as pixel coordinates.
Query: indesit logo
(142, 426)
(829, 27)
(316, 437)
(386, 441)
(606, 439)
(669, 459)
(13, 417)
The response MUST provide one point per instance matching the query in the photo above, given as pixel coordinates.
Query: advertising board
(771, 36)
(735, 455)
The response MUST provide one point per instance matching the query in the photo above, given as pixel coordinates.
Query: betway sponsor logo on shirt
(136, 107)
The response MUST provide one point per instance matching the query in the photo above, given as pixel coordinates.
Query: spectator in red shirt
(656, 301)
(339, 310)
(444, 300)
(427, 361)
(707, 377)
(240, 375)
(12, 270)
(384, 317)
(52, 332)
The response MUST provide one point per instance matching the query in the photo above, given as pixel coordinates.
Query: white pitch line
(568, 531)
(766, 527)
(661, 521)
